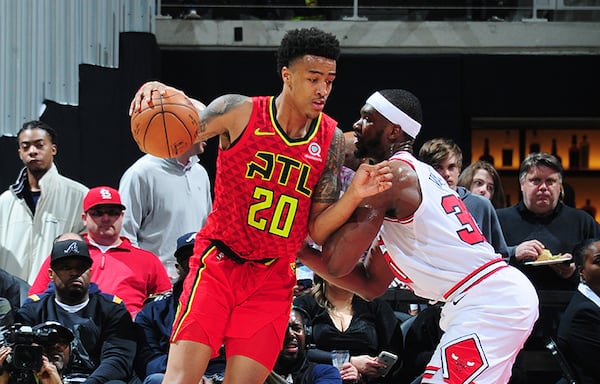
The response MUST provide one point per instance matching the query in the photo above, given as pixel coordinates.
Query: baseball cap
(55, 331)
(100, 196)
(184, 242)
(70, 248)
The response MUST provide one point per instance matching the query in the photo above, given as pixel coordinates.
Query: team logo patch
(105, 194)
(73, 248)
(463, 360)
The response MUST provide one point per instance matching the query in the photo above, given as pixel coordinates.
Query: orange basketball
(168, 128)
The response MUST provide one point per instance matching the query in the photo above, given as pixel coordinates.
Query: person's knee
(154, 378)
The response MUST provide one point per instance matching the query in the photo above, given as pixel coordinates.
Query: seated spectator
(342, 320)
(481, 178)
(155, 321)
(541, 221)
(12, 288)
(445, 156)
(292, 366)
(56, 354)
(119, 267)
(104, 335)
(579, 329)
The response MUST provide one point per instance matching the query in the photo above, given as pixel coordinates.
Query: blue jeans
(154, 378)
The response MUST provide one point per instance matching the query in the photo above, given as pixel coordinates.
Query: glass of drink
(339, 358)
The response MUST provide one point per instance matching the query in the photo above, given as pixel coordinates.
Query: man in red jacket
(119, 268)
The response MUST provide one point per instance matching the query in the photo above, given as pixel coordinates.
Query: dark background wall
(95, 144)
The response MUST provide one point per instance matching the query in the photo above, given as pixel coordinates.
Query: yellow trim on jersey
(177, 326)
(311, 133)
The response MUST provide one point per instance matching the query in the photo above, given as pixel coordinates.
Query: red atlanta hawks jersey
(264, 185)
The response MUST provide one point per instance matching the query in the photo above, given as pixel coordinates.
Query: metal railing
(374, 10)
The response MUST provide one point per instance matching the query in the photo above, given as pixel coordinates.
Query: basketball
(168, 128)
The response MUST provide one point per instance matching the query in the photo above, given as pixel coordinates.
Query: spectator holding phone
(342, 320)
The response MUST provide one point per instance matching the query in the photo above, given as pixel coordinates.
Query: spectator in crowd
(119, 267)
(155, 321)
(340, 319)
(41, 204)
(165, 198)
(13, 288)
(55, 356)
(541, 221)
(104, 345)
(292, 366)
(481, 178)
(579, 329)
(429, 240)
(445, 156)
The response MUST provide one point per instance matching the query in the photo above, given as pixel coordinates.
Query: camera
(28, 345)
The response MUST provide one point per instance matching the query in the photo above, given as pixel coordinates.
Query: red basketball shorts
(228, 302)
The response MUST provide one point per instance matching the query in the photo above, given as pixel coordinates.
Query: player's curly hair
(306, 41)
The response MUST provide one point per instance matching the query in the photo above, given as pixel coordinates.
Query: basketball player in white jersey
(422, 234)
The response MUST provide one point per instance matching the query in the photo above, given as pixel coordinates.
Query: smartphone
(387, 358)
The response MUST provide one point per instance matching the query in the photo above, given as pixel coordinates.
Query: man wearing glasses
(119, 267)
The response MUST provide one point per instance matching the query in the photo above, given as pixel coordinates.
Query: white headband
(394, 114)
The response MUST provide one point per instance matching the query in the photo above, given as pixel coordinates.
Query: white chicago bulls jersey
(439, 251)
(441, 254)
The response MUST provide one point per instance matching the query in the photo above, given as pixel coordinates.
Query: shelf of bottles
(506, 142)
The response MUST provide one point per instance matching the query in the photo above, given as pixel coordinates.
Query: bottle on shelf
(507, 151)
(584, 153)
(554, 151)
(589, 208)
(534, 146)
(486, 152)
(574, 153)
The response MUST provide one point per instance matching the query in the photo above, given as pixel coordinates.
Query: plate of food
(547, 258)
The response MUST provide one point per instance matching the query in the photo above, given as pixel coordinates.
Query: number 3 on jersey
(470, 234)
(283, 213)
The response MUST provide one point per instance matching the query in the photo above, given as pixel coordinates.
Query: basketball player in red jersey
(277, 182)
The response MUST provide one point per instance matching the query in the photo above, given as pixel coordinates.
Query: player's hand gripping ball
(168, 128)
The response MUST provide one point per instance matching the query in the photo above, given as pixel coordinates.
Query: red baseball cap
(101, 196)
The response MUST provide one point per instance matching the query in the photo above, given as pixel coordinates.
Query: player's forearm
(357, 280)
(332, 218)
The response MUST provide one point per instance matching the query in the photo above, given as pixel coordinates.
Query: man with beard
(104, 345)
(292, 365)
(39, 206)
(420, 231)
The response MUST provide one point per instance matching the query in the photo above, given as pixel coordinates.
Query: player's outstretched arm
(368, 279)
(227, 115)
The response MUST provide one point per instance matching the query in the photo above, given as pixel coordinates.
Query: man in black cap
(104, 345)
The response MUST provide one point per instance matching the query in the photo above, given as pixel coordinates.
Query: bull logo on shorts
(463, 360)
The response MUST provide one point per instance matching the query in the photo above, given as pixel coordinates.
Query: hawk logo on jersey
(463, 360)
